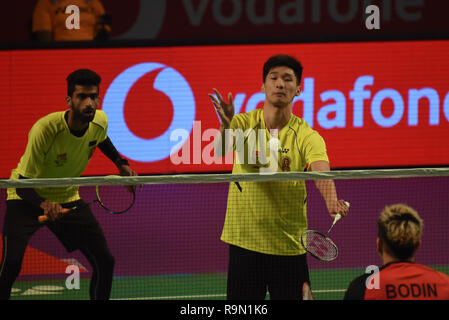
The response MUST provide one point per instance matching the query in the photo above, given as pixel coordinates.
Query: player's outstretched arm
(328, 191)
(109, 150)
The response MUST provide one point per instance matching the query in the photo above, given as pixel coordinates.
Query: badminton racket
(319, 245)
(108, 203)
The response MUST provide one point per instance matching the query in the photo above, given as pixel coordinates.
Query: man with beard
(61, 145)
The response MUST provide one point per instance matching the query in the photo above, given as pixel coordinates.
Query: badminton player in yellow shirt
(60, 145)
(264, 220)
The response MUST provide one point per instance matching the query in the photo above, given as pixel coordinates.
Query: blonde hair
(400, 228)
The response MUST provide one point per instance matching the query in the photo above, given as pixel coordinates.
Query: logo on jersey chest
(285, 163)
(61, 159)
(259, 159)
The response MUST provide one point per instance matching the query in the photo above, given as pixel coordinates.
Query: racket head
(113, 208)
(319, 246)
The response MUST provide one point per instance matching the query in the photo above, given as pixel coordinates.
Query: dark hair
(82, 77)
(283, 60)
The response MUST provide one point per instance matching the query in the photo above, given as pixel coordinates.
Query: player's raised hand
(224, 109)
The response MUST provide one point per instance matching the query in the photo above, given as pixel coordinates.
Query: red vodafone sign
(376, 104)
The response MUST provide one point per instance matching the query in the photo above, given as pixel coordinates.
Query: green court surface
(327, 284)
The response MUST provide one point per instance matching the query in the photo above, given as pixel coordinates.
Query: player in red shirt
(400, 278)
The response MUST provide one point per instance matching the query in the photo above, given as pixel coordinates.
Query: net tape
(223, 177)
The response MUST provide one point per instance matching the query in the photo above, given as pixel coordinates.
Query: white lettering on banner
(183, 138)
(434, 107)
(294, 11)
(332, 112)
(339, 107)
(358, 95)
(376, 107)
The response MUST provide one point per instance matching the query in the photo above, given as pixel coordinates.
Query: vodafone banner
(375, 104)
(240, 20)
(273, 19)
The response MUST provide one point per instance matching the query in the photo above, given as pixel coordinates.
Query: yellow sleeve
(314, 148)
(101, 120)
(33, 160)
(41, 17)
(238, 122)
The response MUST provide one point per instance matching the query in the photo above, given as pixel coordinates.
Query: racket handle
(44, 217)
(337, 217)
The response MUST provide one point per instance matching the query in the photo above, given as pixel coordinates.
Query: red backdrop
(393, 81)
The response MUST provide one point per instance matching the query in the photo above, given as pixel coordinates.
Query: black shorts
(75, 229)
(251, 275)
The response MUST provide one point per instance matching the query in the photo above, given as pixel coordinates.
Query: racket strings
(108, 199)
(319, 245)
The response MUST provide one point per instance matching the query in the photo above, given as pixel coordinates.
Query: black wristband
(111, 152)
(122, 161)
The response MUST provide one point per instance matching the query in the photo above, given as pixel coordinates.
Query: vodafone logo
(168, 81)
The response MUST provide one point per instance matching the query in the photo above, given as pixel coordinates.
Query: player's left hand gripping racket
(112, 206)
(319, 245)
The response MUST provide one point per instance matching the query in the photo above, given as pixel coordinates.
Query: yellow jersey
(53, 151)
(269, 217)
